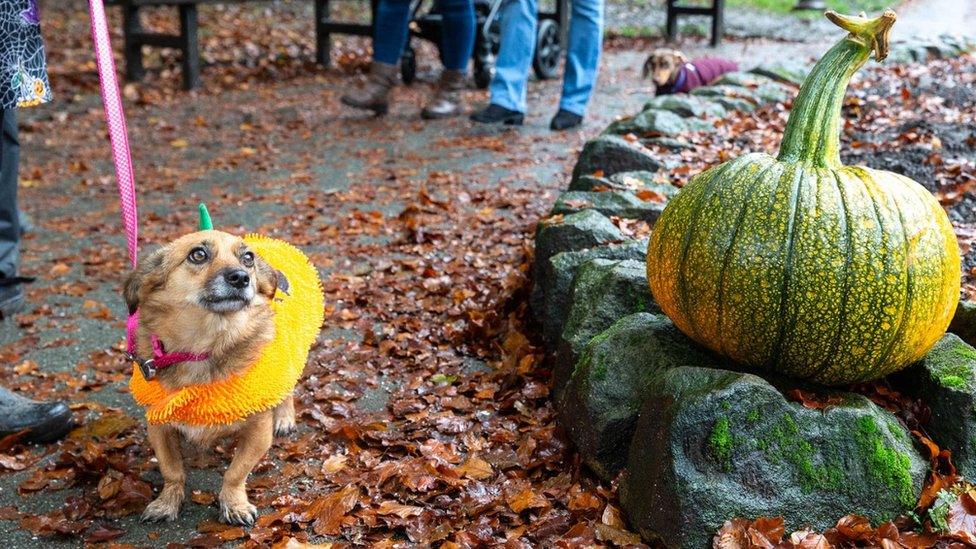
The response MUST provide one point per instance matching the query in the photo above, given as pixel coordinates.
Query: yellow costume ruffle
(298, 318)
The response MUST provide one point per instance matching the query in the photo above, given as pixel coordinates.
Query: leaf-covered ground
(424, 412)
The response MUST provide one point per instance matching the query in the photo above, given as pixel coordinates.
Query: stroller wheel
(408, 65)
(548, 50)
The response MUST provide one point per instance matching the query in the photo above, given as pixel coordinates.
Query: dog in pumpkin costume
(220, 331)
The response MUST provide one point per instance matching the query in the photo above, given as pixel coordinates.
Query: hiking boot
(497, 114)
(43, 421)
(375, 95)
(565, 120)
(446, 101)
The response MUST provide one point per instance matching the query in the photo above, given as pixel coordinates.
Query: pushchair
(428, 25)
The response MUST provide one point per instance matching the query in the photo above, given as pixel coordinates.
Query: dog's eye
(247, 259)
(197, 255)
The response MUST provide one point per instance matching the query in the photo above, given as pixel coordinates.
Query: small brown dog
(662, 66)
(671, 71)
(207, 294)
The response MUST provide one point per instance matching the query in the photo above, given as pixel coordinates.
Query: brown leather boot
(446, 100)
(375, 95)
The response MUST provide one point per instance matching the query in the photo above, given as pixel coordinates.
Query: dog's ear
(146, 272)
(680, 57)
(648, 67)
(269, 279)
(283, 283)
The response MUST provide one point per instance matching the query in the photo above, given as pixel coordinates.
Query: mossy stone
(610, 154)
(788, 72)
(550, 298)
(632, 181)
(607, 387)
(945, 380)
(741, 78)
(772, 93)
(727, 91)
(736, 103)
(589, 182)
(712, 444)
(610, 203)
(964, 322)
(658, 122)
(686, 106)
(672, 143)
(640, 180)
(576, 231)
(603, 292)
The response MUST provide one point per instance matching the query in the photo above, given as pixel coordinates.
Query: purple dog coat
(698, 73)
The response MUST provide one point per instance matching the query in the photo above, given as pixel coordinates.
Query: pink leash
(122, 157)
(117, 132)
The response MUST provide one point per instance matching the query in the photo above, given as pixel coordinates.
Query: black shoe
(43, 421)
(497, 114)
(12, 298)
(565, 120)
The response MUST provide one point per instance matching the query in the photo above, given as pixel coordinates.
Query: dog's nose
(237, 278)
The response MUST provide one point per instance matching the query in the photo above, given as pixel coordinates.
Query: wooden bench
(715, 11)
(135, 37)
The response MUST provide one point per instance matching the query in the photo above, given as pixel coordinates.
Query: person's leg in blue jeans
(457, 40)
(457, 45)
(390, 33)
(518, 19)
(582, 62)
(390, 30)
(389, 38)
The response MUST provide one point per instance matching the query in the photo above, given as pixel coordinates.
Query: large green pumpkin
(803, 266)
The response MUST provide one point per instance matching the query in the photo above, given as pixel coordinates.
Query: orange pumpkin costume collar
(298, 317)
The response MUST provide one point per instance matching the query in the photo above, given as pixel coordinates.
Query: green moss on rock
(552, 288)
(603, 292)
(601, 400)
(885, 464)
(786, 444)
(945, 380)
(713, 444)
(720, 442)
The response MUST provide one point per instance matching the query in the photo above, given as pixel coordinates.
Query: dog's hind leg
(165, 441)
(253, 442)
(284, 417)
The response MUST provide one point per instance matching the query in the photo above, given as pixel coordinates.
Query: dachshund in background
(671, 71)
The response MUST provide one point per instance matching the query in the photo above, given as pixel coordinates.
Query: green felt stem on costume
(205, 222)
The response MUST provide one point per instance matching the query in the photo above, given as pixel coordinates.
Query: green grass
(644, 31)
(843, 6)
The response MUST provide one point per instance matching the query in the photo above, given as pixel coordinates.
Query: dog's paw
(284, 425)
(163, 508)
(238, 513)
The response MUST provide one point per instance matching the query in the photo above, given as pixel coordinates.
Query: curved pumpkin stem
(812, 134)
(874, 32)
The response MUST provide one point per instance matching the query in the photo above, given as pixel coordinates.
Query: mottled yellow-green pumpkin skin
(802, 266)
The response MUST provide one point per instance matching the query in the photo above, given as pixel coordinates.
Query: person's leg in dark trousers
(457, 44)
(11, 293)
(390, 32)
(42, 421)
